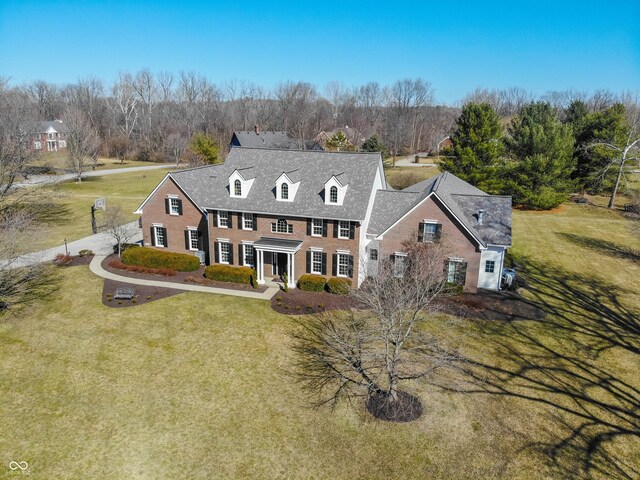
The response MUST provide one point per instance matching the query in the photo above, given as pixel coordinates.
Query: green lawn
(71, 209)
(202, 392)
(402, 177)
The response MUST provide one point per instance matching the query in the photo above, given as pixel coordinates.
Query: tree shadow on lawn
(559, 363)
(602, 246)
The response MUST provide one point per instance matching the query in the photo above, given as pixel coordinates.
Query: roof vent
(480, 216)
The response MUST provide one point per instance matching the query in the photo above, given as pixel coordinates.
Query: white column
(260, 266)
(292, 281)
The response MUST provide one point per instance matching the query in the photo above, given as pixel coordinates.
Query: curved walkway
(96, 267)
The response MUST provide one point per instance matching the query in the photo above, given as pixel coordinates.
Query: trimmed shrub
(167, 272)
(150, 257)
(338, 286)
(124, 246)
(228, 273)
(84, 253)
(312, 283)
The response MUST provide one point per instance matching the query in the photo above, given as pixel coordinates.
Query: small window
(193, 240)
(343, 265)
(223, 219)
(284, 191)
(430, 232)
(489, 266)
(174, 206)
(457, 272)
(333, 194)
(316, 262)
(249, 256)
(281, 226)
(316, 227)
(373, 254)
(237, 188)
(344, 229)
(247, 221)
(399, 265)
(225, 252)
(158, 233)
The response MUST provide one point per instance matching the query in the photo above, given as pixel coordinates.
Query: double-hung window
(344, 229)
(343, 265)
(174, 206)
(249, 256)
(333, 194)
(225, 252)
(316, 227)
(247, 221)
(316, 262)
(223, 219)
(159, 237)
(399, 265)
(456, 271)
(193, 239)
(429, 232)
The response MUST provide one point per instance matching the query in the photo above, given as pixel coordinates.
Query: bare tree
(47, 99)
(176, 146)
(118, 228)
(146, 90)
(82, 141)
(123, 104)
(370, 352)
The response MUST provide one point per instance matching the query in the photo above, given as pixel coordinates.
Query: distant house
(324, 213)
(355, 138)
(51, 136)
(279, 140)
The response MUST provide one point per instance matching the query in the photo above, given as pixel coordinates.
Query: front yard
(196, 385)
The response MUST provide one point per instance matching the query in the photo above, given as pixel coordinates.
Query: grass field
(58, 160)
(70, 216)
(202, 391)
(401, 177)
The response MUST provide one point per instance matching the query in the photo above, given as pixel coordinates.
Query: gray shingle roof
(57, 125)
(209, 186)
(462, 198)
(279, 140)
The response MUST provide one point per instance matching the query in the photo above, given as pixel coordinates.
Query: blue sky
(457, 46)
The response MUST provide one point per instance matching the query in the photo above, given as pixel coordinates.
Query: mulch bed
(188, 278)
(299, 302)
(73, 260)
(143, 294)
(405, 409)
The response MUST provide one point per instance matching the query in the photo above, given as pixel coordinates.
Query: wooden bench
(124, 294)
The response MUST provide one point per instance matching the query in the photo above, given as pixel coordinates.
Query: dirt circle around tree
(406, 408)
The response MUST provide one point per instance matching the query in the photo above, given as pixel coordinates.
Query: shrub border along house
(150, 257)
(227, 273)
(312, 283)
(338, 286)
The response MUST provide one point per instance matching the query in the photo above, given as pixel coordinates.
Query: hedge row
(150, 257)
(167, 272)
(339, 286)
(227, 273)
(312, 283)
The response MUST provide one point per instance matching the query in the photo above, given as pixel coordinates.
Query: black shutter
(334, 266)
(350, 271)
(324, 263)
(255, 221)
(438, 232)
(187, 243)
(167, 206)
(166, 238)
(309, 223)
(352, 230)
(230, 254)
(153, 237)
(216, 251)
(335, 229)
(229, 219)
(463, 273)
(308, 262)
(324, 228)
(179, 207)
(240, 221)
(421, 232)
(240, 254)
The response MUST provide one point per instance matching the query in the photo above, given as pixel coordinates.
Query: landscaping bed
(299, 302)
(193, 278)
(143, 294)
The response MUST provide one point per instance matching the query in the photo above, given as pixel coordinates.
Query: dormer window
(284, 191)
(333, 194)
(237, 188)
(239, 183)
(286, 188)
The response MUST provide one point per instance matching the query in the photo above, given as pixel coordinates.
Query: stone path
(96, 267)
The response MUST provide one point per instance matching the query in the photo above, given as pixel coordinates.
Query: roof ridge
(309, 151)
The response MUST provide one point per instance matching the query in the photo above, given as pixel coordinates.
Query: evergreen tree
(477, 147)
(373, 144)
(339, 142)
(541, 149)
(203, 149)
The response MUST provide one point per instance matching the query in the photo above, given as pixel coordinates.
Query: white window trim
(220, 252)
(218, 218)
(244, 254)
(171, 199)
(313, 262)
(346, 256)
(340, 228)
(253, 219)
(156, 226)
(313, 226)
(493, 267)
(193, 230)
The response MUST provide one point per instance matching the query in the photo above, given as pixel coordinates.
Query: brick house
(324, 213)
(51, 136)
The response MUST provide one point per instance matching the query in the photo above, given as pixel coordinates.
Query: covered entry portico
(281, 253)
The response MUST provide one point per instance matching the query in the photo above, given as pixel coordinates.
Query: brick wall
(457, 242)
(155, 211)
(329, 244)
